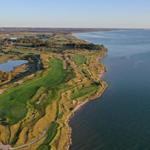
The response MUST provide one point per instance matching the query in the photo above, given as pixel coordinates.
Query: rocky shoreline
(79, 106)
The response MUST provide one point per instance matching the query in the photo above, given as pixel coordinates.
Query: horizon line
(42, 27)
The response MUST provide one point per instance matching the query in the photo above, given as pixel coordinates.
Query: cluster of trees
(89, 46)
(30, 42)
(25, 41)
(51, 43)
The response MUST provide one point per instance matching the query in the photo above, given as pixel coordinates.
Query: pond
(11, 64)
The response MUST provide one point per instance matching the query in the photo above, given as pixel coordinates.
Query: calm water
(120, 119)
(9, 65)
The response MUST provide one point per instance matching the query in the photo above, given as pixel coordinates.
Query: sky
(75, 13)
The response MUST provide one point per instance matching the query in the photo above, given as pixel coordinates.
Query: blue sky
(75, 13)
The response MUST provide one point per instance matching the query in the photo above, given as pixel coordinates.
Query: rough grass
(79, 59)
(13, 103)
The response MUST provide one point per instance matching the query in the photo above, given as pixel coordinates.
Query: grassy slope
(13, 103)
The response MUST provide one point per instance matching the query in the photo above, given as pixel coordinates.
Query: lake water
(11, 64)
(120, 119)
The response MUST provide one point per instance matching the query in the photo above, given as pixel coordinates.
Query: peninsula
(38, 98)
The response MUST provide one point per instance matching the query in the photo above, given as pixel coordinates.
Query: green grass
(13, 103)
(44, 147)
(79, 59)
(52, 131)
(84, 91)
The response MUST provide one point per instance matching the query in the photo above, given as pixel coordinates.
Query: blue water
(11, 64)
(120, 119)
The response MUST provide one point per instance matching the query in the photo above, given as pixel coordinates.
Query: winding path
(8, 147)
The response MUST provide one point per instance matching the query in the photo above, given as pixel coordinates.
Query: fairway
(79, 59)
(13, 103)
(84, 91)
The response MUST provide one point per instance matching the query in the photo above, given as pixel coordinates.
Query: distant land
(51, 30)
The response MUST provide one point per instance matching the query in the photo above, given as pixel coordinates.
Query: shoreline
(81, 104)
(78, 107)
